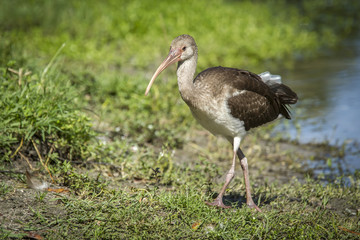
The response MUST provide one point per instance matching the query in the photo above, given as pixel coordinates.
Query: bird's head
(182, 48)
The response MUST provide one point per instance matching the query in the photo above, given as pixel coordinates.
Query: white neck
(185, 74)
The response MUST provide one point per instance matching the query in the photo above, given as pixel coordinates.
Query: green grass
(134, 34)
(72, 82)
(41, 109)
(112, 48)
(5, 189)
(295, 210)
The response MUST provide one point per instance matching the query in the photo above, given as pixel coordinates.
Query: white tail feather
(269, 79)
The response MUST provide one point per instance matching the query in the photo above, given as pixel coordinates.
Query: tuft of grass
(5, 189)
(40, 111)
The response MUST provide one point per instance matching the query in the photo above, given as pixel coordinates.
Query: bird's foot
(218, 203)
(253, 205)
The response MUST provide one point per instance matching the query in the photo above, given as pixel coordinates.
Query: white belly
(216, 118)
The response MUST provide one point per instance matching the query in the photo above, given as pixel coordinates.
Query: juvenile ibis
(227, 101)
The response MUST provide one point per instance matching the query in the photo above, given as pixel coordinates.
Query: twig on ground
(27, 160)
(347, 230)
(20, 74)
(41, 160)
(48, 157)
(17, 150)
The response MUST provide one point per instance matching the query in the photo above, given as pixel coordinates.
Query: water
(329, 100)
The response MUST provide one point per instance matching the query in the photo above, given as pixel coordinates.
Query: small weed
(40, 196)
(82, 185)
(5, 188)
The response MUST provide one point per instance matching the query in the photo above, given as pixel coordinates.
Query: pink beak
(173, 57)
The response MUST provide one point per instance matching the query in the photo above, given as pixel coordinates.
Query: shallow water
(329, 101)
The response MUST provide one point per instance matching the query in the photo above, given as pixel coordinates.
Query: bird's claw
(218, 203)
(253, 206)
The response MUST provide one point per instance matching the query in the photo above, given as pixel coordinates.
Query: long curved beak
(173, 57)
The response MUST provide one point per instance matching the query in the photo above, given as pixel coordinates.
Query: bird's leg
(229, 176)
(244, 166)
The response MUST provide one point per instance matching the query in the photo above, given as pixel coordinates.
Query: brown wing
(238, 80)
(252, 108)
(258, 104)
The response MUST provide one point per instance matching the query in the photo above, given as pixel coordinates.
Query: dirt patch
(22, 208)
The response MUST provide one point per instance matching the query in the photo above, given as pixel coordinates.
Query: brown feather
(260, 103)
(253, 109)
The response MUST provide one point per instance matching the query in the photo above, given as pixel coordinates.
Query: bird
(228, 102)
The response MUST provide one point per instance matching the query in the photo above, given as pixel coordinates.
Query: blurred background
(112, 48)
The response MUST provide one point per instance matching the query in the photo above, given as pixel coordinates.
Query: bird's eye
(184, 48)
